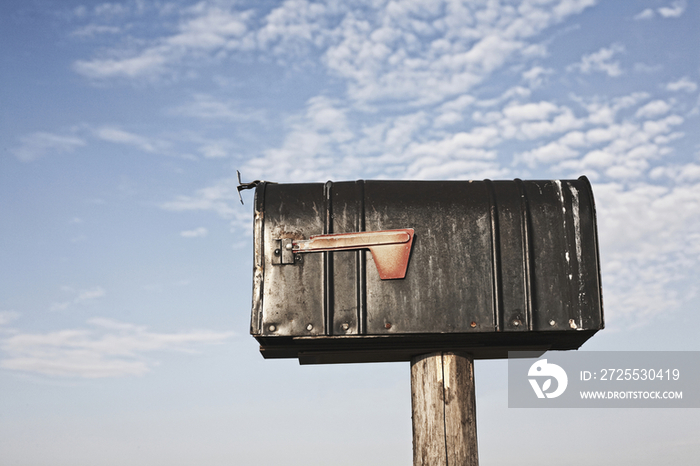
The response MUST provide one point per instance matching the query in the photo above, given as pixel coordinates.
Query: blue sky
(126, 257)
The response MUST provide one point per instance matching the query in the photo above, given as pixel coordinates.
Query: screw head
(288, 246)
(473, 324)
(272, 328)
(552, 323)
(310, 327)
(387, 325)
(277, 252)
(344, 326)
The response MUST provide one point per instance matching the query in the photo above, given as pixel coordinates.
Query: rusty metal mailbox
(365, 271)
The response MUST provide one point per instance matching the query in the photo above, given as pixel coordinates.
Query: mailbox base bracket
(393, 348)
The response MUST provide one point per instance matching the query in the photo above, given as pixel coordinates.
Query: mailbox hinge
(283, 253)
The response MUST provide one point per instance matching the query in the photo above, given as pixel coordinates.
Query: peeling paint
(284, 234)
(577, 221)
(561, 195)
(576, 208)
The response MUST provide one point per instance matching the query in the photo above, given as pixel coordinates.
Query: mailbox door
(290, 298)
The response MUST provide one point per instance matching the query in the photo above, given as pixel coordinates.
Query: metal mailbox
(365, 271)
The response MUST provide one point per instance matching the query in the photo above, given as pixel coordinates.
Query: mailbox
(365, 271)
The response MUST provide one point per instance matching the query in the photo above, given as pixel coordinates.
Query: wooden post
(443, 402)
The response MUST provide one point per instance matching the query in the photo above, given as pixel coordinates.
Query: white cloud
(314, 148)
(683, 84)
(645, 68)
(296, 25)
(648, 13)
(530, 111)
(605, 112)
(380, 49)
(535, 121)
(119, 136)
(321, 144)
(92, 30)
(458, 104)
(668, 138)
(207, 28)
(467, 145)
(62, 306)
(196, 233)
(600, 61)
(448, 118)
(8, 316)
(208, 107)
(87, 295)
(384, 59)
(216, 198)
(403, 145)
(215, 150)
(649, 241)
(452, 111)
(653, 109)
(676, 9)
(536, 75)
(35, 145)
(148, 62)
(109, 10)
(622, 151)
(220, 198)
(552, 152)
(605, 144)
(439, 169)
(663, 126)
(679, 174)
(570, 7)
(106, 348)
(81, 297)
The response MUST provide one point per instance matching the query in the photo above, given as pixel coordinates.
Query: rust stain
(284, 234)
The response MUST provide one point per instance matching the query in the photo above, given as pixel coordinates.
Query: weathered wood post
(443, 403)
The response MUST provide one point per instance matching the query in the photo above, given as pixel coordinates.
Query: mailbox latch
(391, 249)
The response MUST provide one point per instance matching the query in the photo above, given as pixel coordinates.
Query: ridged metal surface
(490, 260)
